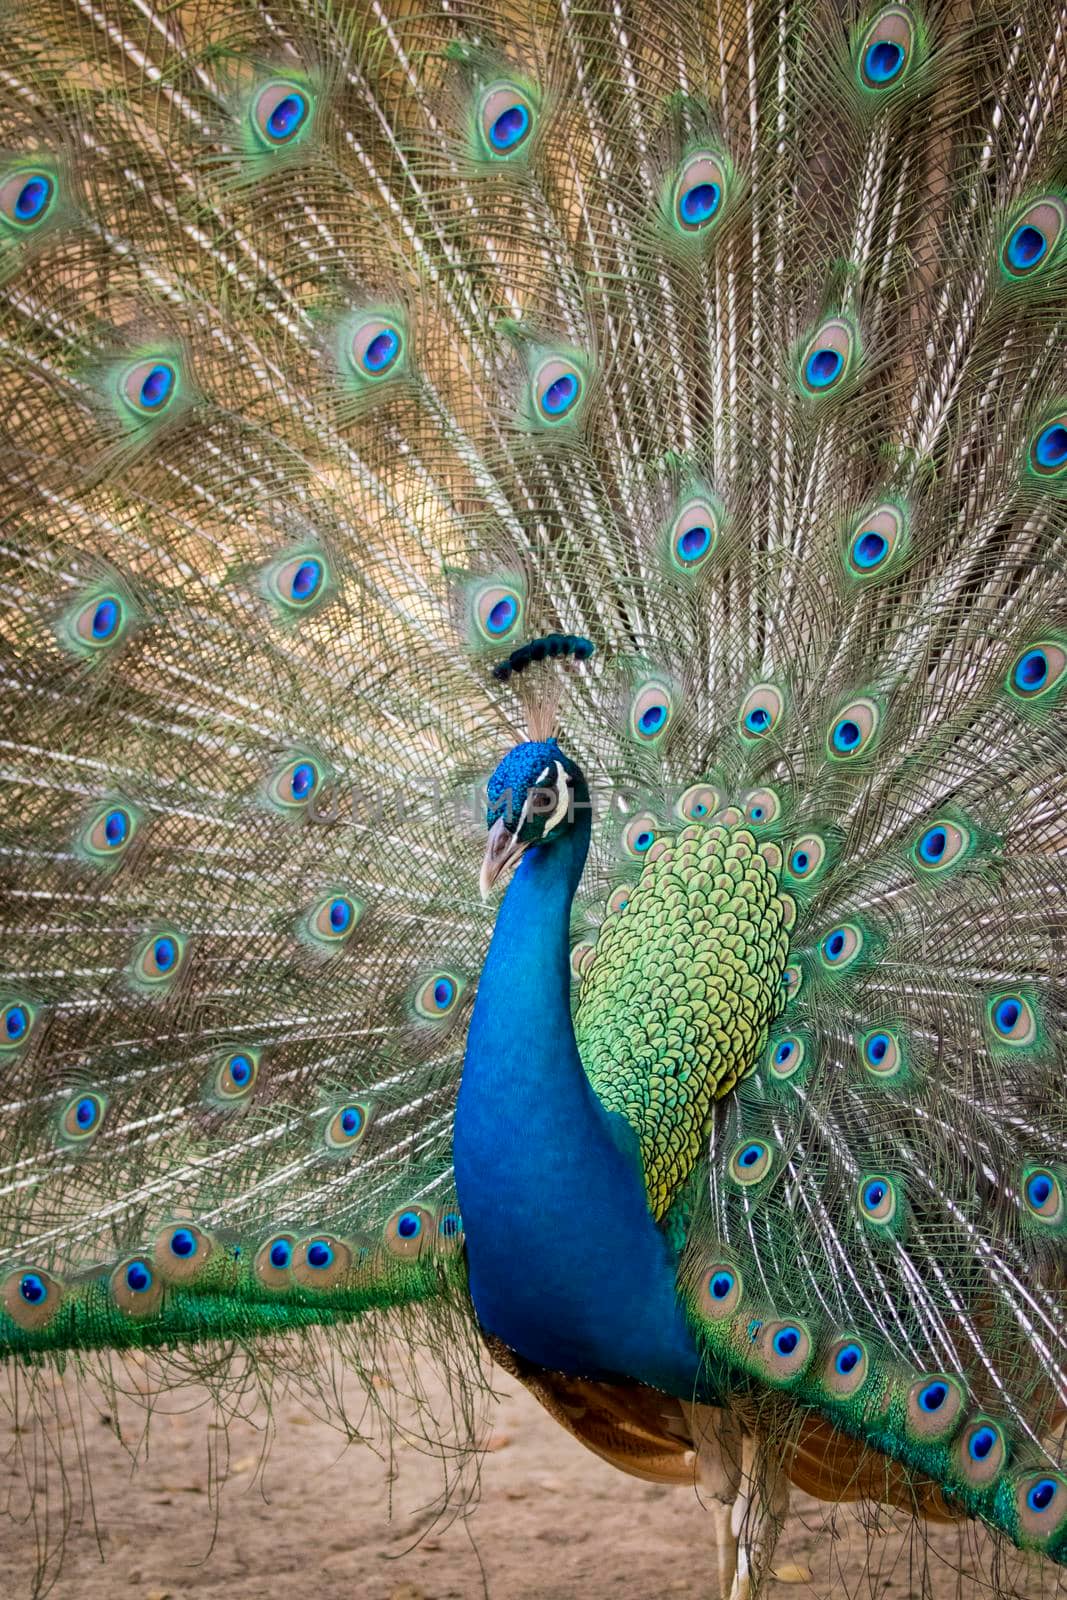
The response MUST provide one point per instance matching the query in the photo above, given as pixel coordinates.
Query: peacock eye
(750, 1162)
(694, 534)
(17, 1019)
(762, 807)
(806, 858)
(886, 49)
(699, 192)
(761, 711)
(148, 387)
(878, 1199)
(1037, 670)
(619, 898)
(880, 1052)
(1048, 448)
(827, 357)
(110, 832)
(854, 730)
(82, 1118)
(1032, 239)
(557, 388)
(335, 918)
(1043, 1194)
(506, 119)
(100, 621)
(498, 611)
(347, 1126)
(438, 995)
(299, 582)
(280, 112)
(26, 197)
(785, 1056)
(639, 835)
(1012, 1020)
(233, 1080)
(650, 712)
(875, 541)
(699, 802)
(375, 347)
(720, 1291)
(841, 946)
(410, 1231)
(941, 845)
(158, 961)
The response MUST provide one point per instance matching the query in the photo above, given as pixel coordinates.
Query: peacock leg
(717, 1441)
(759, 1515)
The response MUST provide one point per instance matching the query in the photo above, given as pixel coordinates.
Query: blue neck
(567, 1264)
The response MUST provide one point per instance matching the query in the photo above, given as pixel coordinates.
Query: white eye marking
(550, 797)
(563, 800)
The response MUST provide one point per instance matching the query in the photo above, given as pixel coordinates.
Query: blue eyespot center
(874, 1194)
(86, 1112)
(33, 1289)
(381, 351)
(1007, 1014)
(138, 1277)
(16, 1021)
(848, 1359)
(116, 827)
(644, 840)
(1031, 670)
(700, 203)
(156, 386)
(1051, 446)
(835, 944)
(823, 367)
(303, 780)
(846, 734)
(758, 719)
(786, 1341)
(444, 991)
(1042, 1494)
(877, 1048)
(351, 1120)
(501, 616)
(560, 395)
(932, 844)
(1039, 1190)
(240, 1070)
(33, 198)
(721, 1284)
(1026, 246)
(870, 549)
(306, 580)
(164, 954)
(751, 1155)
(694, 543)
(340, 915)
(652, 719)
(883, 61)
(510, 127)
(319, 1254)
(287, 117)
(105, 619)
(981, 1443)
(183, 1243)
(933, 1397)
(409, 1225)
(281, 1253)
(784, 1052)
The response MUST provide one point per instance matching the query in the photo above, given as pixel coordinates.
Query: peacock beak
(501, 852)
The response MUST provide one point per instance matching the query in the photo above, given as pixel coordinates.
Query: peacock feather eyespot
(95, 623)
(31, 1297)
(347, 1126)
(845, 1368)
(700, 802)
(281, 111)
(558, 387)
(828, 359)
(1040, 1506)
(297, 583)
(1012, 1021)
(1038, 670)
(719, 1291)
(693, 535)
(181, 1252)
(320, 1263)
(886, 50)
(158, 961)
(295, 782)
(497, 612)
(619, 899)
(640, 834)
(854, 730)
(272, 1261)
(1032, 241)
(233, 1080)
(806, 858)
(331, 921)
(437, 996)
(1048, 449)
(18, 1018)
(761, 711)
(81, 1118)
(875, 540)
(136, 1289)
(762, 807)
(934, 1406)
(881, 1053)
(376, 347)
(785, 1057)
(877, 1199)
(841, 946)
(750, 1162)
(700, 192)
(107, 833)
(1043, 1196)
(651, 709)
(27, 198)
(506, 119)
(943, 844)
(981, 1452)
(409, 1232)
(149, 386)
(781, 1350)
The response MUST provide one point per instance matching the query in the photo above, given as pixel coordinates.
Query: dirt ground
(323, 1520)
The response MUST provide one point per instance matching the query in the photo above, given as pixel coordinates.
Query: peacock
(623, 445)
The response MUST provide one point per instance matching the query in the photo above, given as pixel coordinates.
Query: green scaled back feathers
(345, 349)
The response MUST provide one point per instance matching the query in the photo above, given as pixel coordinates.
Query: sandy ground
(323, 1520)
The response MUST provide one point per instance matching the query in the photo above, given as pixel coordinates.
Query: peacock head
(535, 795)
